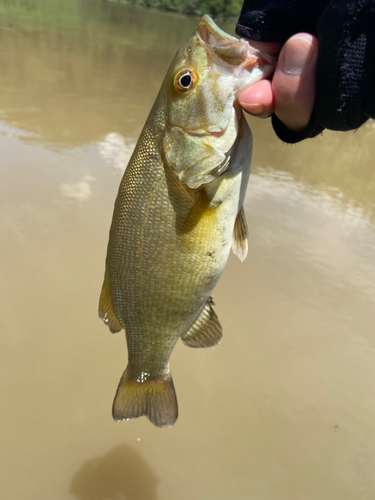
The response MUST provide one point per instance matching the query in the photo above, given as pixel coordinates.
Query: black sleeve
(277, 20)
(345, 95)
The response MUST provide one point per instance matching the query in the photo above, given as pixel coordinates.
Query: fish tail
(155, 398)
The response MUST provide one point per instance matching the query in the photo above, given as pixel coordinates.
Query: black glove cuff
(286, 135)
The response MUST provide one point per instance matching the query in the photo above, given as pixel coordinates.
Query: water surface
(284, 407)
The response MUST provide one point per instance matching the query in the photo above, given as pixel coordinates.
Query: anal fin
(106, 312)
(206, 331)
(239, 238)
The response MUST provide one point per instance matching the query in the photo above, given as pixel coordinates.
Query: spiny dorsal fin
(106, 312)
(239, 238)
(206, 330)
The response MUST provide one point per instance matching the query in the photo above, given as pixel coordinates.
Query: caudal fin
(155, 398)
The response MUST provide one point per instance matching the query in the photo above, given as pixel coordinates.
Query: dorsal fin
(239, 238)
(106, 312)
(206, 331)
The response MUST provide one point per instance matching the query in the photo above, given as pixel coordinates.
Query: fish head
(201, 89)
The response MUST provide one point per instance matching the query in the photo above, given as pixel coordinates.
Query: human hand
(291, 92)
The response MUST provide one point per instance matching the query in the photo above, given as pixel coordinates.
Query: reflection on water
(80, 191)
(346, 228)
(83, 67)
(120, 474)
(340, 164)
(284, 407)
(115, 151)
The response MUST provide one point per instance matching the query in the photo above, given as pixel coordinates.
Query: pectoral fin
(206, 330)
(239, 238)
(106, 312)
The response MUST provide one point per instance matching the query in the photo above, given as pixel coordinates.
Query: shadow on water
(120, 474)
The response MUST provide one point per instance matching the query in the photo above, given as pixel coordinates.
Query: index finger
(257, 99)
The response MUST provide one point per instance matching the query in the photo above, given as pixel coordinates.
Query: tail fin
(155, 398)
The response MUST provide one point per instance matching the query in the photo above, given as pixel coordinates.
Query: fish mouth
(210, 32)
(233, 51)
(228, 48)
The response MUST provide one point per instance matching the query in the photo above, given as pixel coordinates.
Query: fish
(178, 213)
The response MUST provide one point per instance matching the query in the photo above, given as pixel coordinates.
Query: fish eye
(185, 80)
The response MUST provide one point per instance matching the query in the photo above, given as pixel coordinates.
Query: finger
(270, 48)
(294, 81)
(258, 99)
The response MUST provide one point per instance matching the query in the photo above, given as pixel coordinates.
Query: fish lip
(198, 133)
(208, 131)
(218, 42)
(258, 59)
(208, 29)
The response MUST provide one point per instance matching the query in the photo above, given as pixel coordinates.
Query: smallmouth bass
(177, 215)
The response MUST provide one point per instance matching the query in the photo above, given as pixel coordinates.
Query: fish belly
(168, 247)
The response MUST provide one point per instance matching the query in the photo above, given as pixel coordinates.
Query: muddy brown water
(284, 407)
